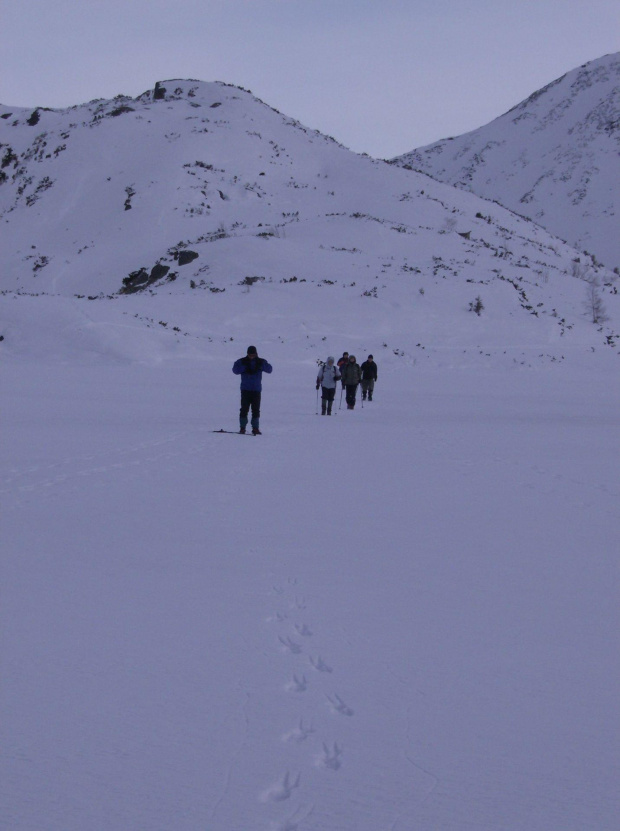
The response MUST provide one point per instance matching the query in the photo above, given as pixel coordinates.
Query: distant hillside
(201, 196)
(554, 158)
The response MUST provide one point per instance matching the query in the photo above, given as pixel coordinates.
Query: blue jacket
(251, 372)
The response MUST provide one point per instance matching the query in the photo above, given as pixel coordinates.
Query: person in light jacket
(351, 376)
(327, 379)
(251, 370)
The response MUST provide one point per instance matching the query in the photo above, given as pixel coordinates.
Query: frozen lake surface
(402, 617)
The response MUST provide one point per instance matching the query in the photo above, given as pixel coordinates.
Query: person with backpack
(251, 370)
(327, 379)
(351, 376)
(369, 376)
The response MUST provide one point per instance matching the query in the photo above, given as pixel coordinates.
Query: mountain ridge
(200, 190)
(552, 157)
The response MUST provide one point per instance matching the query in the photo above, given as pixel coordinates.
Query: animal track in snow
(297, 685)
(298, 734)
(320, 665)
(331, 757)
(339, 706)
(290, 645)
(282, 790)
(324, 755)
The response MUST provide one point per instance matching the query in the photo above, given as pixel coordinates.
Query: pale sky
(380, 76)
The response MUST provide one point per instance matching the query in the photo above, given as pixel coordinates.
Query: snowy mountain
(200, 191)
(555, 157)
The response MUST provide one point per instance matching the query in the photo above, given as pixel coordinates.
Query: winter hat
(370, 357)
(252, 350)
(331, 358)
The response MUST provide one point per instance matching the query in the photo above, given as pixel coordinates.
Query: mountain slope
(554, 158)
(200, 191)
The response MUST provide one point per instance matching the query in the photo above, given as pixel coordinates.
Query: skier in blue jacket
(251, 370)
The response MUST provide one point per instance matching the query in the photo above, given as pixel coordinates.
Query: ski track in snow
(73, 469)
(180, 448)
(231, 766)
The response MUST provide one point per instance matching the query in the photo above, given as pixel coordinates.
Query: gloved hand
(318, 385)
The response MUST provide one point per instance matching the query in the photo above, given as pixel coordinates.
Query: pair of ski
(234, 432)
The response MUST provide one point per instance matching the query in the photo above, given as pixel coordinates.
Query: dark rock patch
(185, 257)
(122, 109)
(9, 158)
(130, 193)
(142, 279)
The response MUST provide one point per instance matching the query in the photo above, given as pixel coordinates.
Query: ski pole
(317, 401)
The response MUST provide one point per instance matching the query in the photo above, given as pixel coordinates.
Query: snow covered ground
(402, 617)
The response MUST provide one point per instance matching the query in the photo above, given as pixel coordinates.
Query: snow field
(400, 617)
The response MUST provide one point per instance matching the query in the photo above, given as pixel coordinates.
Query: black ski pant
(249, 398)
(351, 393)
(327, 399)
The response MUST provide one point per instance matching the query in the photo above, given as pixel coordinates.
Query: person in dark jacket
(369, 376)
(351, 376)
(251, 370)
(342, 362)
(327, 379)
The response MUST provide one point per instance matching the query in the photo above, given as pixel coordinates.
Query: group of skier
(351, 375)
(347, 371)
